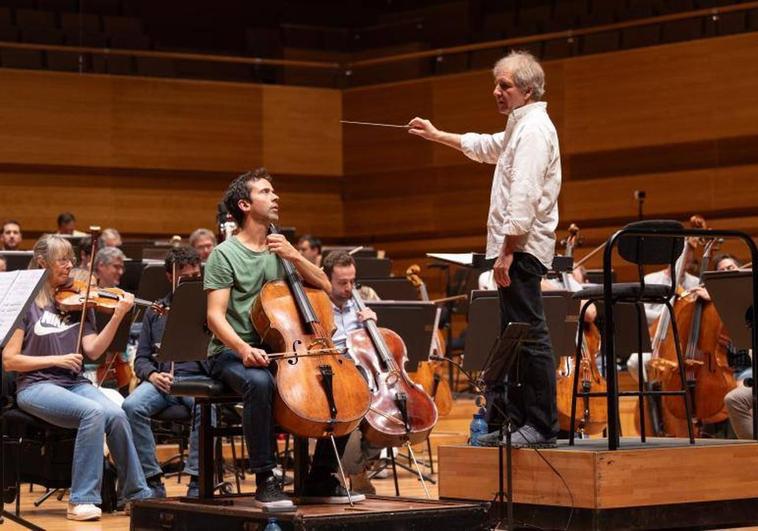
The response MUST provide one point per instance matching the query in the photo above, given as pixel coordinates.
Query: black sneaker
(270, 496)
(329, 490)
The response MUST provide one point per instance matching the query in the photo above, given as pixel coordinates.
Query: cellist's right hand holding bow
(254, 357)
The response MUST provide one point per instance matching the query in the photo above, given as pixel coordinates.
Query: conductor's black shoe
(329, 490)
(269, 495)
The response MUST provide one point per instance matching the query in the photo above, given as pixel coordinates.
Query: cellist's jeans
(85, 409)
(256, 385)
(533, 401)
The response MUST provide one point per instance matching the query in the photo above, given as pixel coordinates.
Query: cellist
(339, 267)
(235, 273)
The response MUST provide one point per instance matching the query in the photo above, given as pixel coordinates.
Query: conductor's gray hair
(526, 71)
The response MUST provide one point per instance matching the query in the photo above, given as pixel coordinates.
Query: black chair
(45, 450)
(640, 250)
(173, 425)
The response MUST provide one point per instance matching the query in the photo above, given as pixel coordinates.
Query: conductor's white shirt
(526, 183)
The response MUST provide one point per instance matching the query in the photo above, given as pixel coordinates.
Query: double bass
(320, 392)
(592, 417)
(401, 411)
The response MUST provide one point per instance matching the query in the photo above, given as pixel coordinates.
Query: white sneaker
(83, 511)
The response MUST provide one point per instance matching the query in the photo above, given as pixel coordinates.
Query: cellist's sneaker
(329, 490)
(269, 495)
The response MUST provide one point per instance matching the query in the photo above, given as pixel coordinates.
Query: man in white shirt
(521, 224)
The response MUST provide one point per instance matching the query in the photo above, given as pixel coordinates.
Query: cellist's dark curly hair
(239, 190)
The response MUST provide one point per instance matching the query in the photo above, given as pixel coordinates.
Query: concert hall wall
(152, 156)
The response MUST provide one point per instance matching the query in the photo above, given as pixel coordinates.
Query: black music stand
(15, 260)
(132, 275)
(186, 335)
(414, 322)
(730, 291)
(153, 284)
(372, 267)
(17, 290)
(392, 289)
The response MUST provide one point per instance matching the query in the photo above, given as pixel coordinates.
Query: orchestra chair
(642, 251)
(173, 425)
(45, 450)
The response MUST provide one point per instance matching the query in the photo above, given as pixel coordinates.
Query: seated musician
(203, 241)
(339, 266)
(11, 235)
(726, 262)
(67, 225)
(235, 273)
(110, 237)
(109, 267)
(153, 393)
(310, 247)
(51, 385)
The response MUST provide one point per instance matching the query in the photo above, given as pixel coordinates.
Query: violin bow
(94, 232)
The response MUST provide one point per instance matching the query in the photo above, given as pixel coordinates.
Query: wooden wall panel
(301, 130)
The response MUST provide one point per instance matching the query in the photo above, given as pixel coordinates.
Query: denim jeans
(84, 408)
(256, 385)
(533, 400)
(140, 406)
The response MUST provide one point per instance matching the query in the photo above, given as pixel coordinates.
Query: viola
(319, 391)
(401, 411)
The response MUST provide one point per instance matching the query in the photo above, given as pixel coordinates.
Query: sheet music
(17, 288)
(464, 259)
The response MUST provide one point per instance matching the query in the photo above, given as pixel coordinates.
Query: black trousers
(532, 399)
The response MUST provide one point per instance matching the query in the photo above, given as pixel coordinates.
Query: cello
(401, 411)
(320, 392)
(592, 418)
(428, 373)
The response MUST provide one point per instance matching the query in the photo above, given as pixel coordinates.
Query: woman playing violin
(51, 386)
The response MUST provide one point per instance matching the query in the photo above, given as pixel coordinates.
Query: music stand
(414, 323)
(626, 338)
(186, 335)
(392, 289)
(153, 284)
(731, 292)
(16, 260)
(132, 274)
(367, 267)
(17, 290)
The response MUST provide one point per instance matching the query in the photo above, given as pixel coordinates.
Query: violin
(71, 298)
(319, 391)
(401, 411)
(429, 373)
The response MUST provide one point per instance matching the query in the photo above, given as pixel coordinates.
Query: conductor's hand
(162, 381)
(279, 245)
(72, 362)
(501, 268)
(423, 128)
(254, 357)
(366, 314)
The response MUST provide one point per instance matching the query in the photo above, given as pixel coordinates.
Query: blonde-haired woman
(51, 385)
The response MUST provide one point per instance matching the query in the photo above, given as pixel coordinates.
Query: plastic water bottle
(477, 427)
(272, 525)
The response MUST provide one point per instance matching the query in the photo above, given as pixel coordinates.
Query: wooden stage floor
(662, 483)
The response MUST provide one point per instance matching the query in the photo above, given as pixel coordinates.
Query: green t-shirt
(232, 265)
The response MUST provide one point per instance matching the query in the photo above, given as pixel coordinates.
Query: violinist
(523, 216)
(153, 393)
(339, 266)
(109, 267)
(11, 235)
(51, 386)
(234, 275)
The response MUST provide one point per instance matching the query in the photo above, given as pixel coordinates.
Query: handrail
(608, 349)
(352, 65)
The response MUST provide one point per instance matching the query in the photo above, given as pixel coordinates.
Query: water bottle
(477, 427)
(272, 525)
